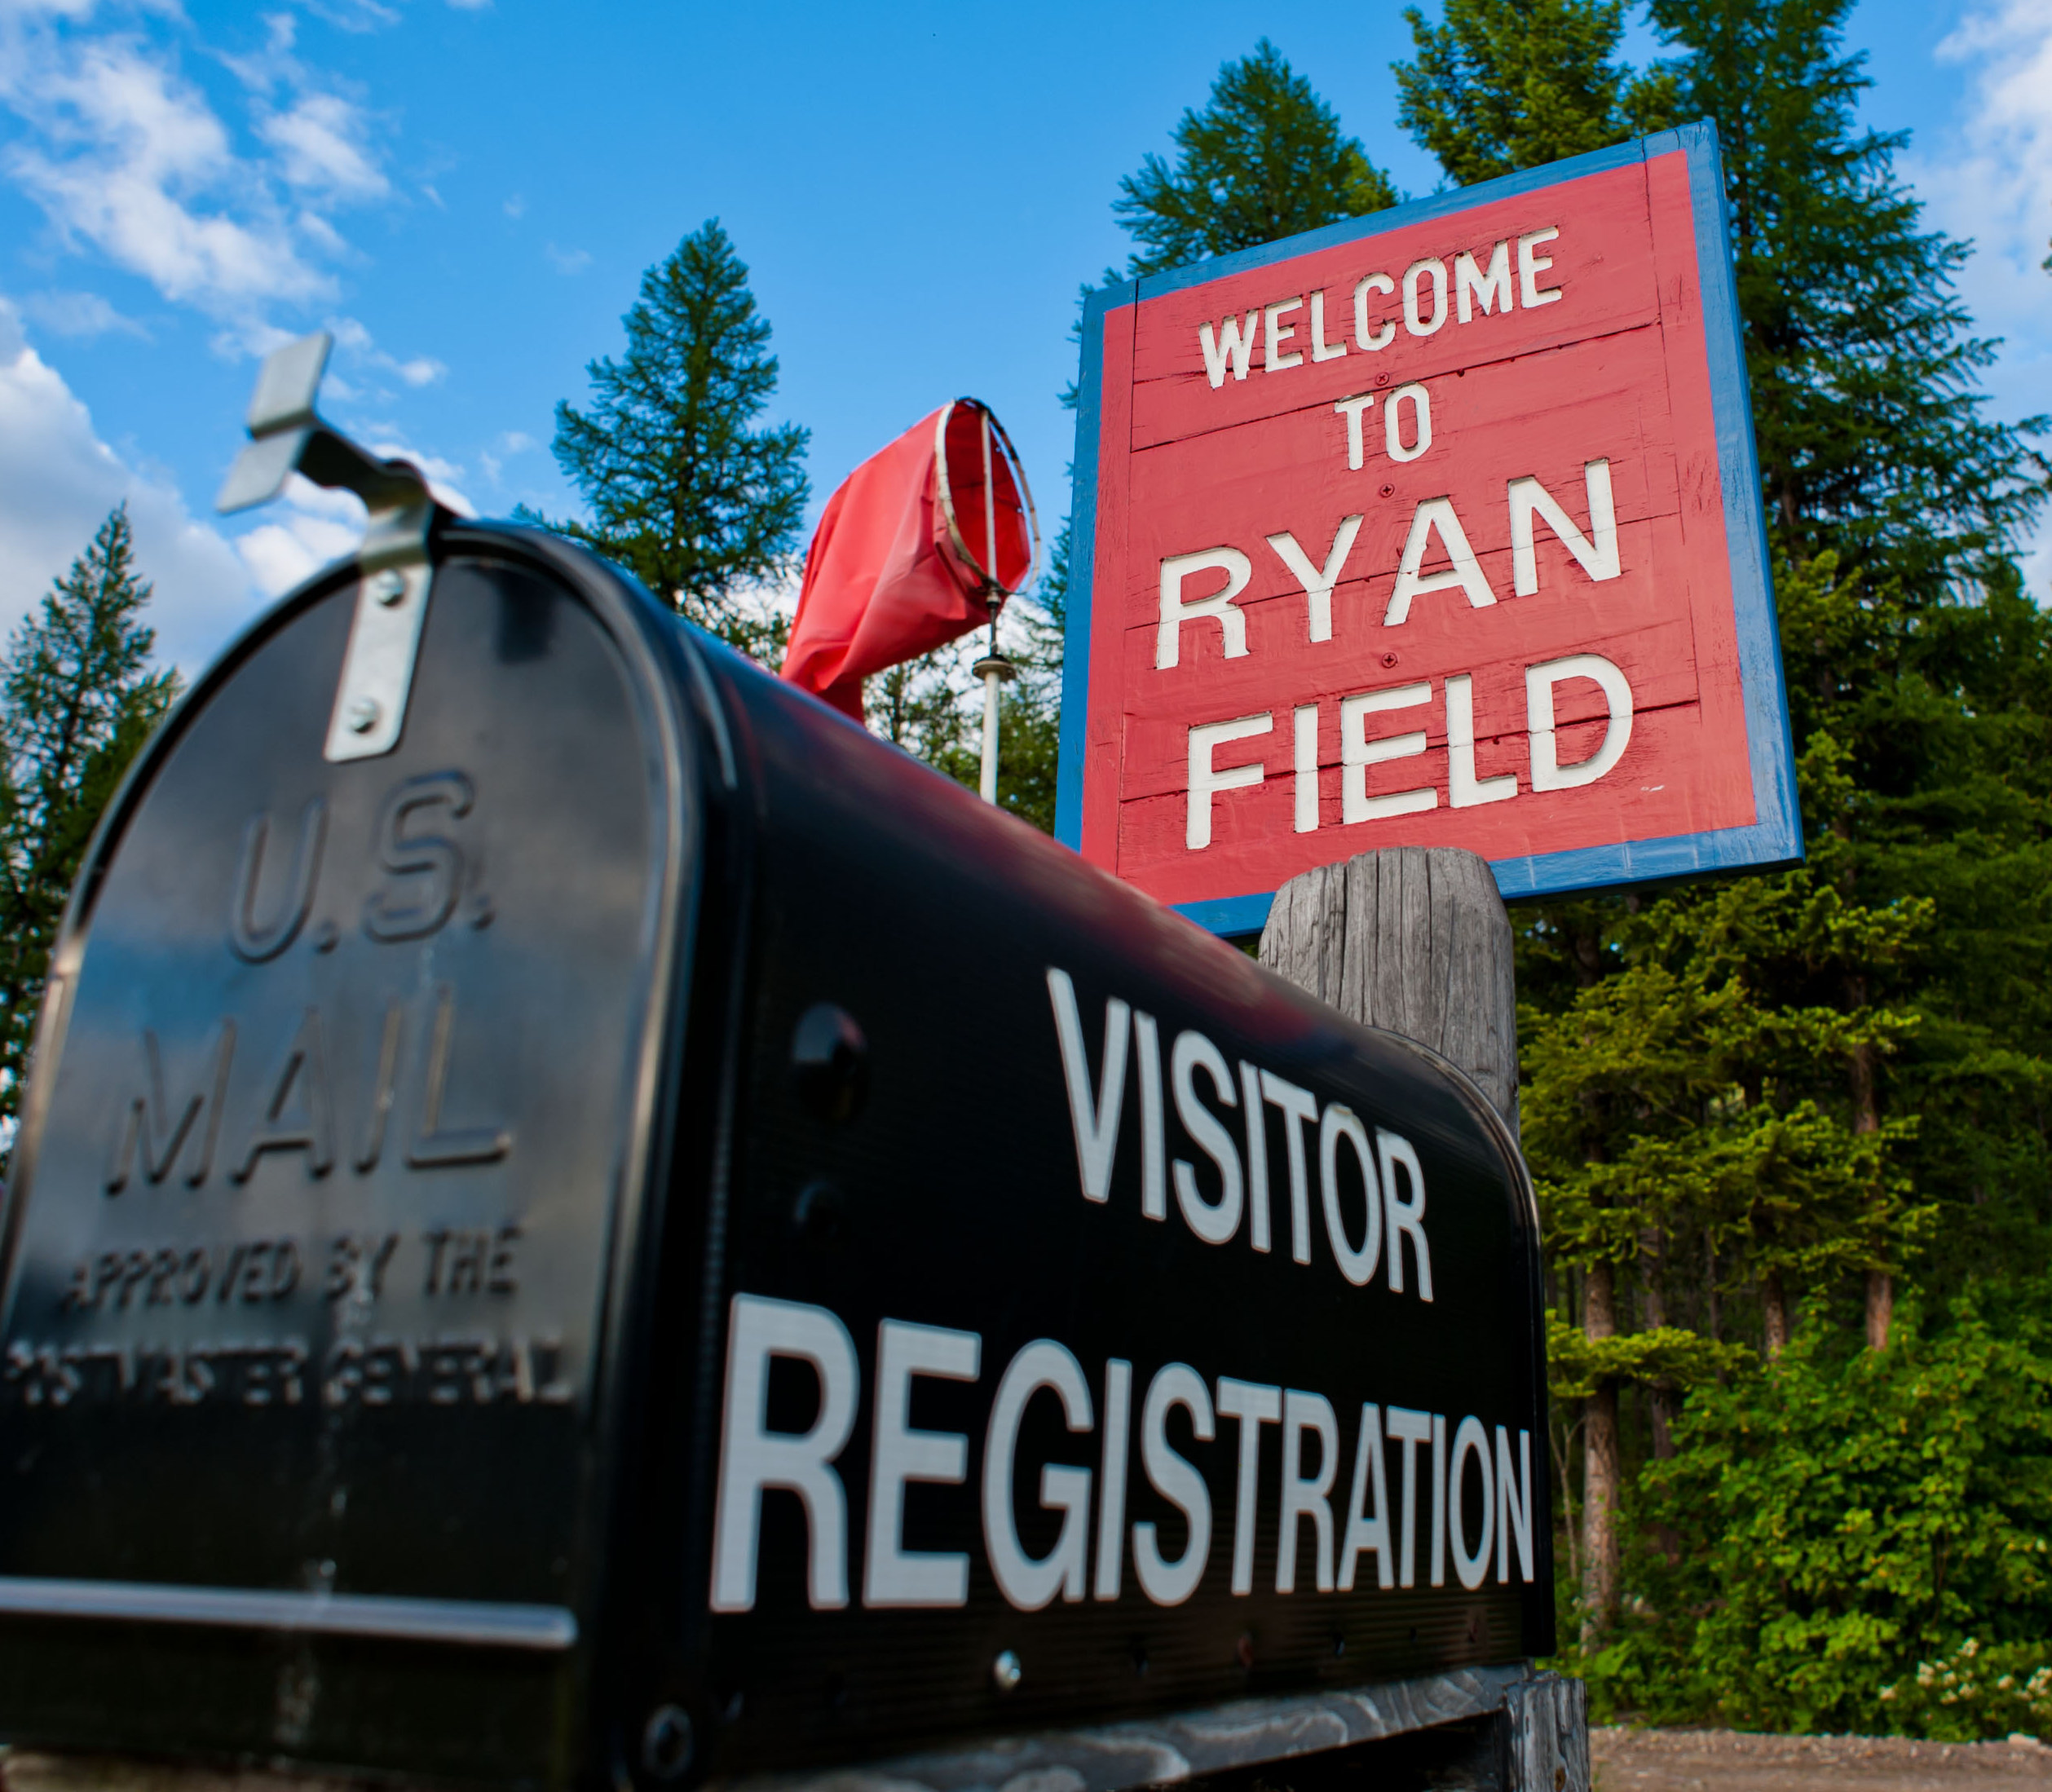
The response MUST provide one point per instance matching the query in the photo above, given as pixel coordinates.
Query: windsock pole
(994, 667)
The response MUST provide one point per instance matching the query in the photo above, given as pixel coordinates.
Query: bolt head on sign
(1439, 527)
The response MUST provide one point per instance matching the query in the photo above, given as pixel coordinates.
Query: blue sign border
(1775, 837)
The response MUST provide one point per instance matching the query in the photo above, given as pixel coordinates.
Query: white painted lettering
(1111, 1478)
(1320, 350)
(1547, 772)
(1207, 780)
(1371, 1481)
(1357, 753)
(1233, 346)
(1492, 289)
(1393, 422)
(1257, 1156)
(1406, 1218)
(1596, 553)
(1095, 1123)
(1276, 337)
(1439, 1499)
(1385, 333)
(1513, 1504)
(892, 1574)
(1218, 604)
(1252, 1406)
(1153, 1179)
(1431, 267)
(1410, 1429)
(1170, 1476)
(1214, 1222)
(1305, 717)
(1341, 1123)
(1317, 581)
(1464, 573)
(1464, 790)
(1030, 1584)
(754, 1458)
(1300, 1110)
(1470, 1439)
(1351, 409)
(1531, 264)
(1304, 1496)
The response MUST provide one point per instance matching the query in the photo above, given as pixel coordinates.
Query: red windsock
(887, 578)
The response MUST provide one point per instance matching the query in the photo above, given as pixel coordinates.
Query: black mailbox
(577, 1214)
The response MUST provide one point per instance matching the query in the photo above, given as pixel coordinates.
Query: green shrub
(1859, 1542)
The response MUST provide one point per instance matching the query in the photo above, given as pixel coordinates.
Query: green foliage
(1264, 160)
(1845, 1525)
(1502, 84)
(78, 699)
(1577, 1364)
(1976, 1692)
(684, 488)
(1863, 372)
(1741, 1095)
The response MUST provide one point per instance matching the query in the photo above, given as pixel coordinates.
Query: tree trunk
(1881, 1308)
(1600, 1469)
(1774, 1312)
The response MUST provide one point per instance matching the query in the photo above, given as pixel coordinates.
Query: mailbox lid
(344, 1108)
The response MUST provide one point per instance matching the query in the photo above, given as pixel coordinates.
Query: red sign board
(1438, 527)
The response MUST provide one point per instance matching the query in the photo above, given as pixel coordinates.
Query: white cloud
(568, 260)
(361, 350)
(357, 15)
(442, 474)
(57, 481)
(321, 148)
(1989, 179)
(316, 525)
(85, 315)
(509, 444)
(128, 156)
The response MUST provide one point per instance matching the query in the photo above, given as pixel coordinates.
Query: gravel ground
(1626, 1760)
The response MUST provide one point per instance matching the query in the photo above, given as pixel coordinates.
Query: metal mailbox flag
(1437, 528)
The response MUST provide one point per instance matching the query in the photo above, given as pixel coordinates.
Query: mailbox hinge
(395, 570)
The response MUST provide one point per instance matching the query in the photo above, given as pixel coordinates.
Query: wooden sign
(1440, 527)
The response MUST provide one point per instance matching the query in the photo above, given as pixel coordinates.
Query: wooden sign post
(1440, 527)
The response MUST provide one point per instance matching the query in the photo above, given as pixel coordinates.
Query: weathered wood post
(1415, 940)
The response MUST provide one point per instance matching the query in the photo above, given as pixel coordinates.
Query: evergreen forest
(1792, 1134)
(1789, 1132)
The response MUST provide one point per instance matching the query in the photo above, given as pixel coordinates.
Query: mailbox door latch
(287, 436)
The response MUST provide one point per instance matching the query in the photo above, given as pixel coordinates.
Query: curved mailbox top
(643, 1198)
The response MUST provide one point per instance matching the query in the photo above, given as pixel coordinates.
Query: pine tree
(1502, 84)
(78, 699)
(1265, 159)
(1863, 372)
(685, 489)
(1752, 1094)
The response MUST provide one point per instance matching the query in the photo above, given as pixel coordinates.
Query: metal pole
(995, 668)
(991, 681)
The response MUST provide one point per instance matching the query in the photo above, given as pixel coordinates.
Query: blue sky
(466, 194)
